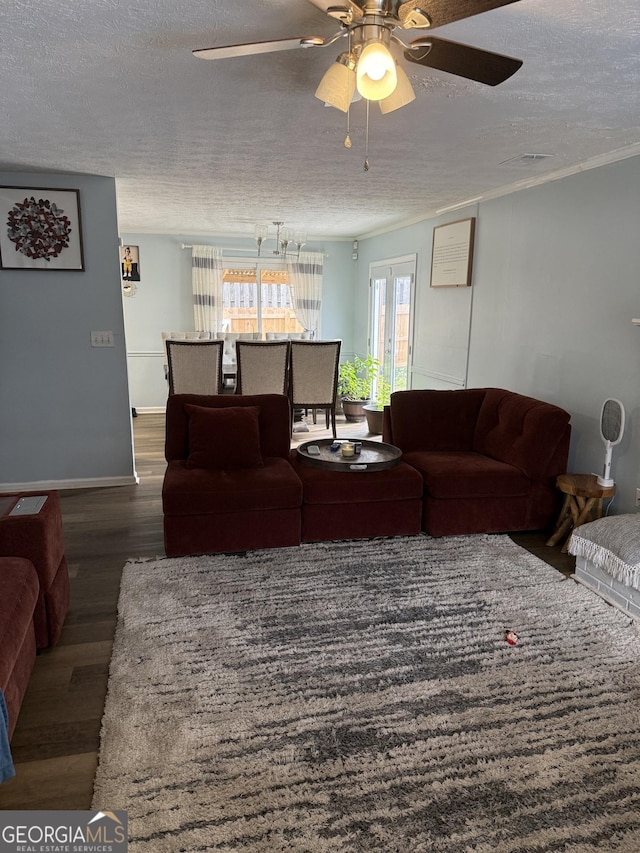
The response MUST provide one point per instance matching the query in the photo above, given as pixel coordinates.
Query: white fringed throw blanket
(613, 545)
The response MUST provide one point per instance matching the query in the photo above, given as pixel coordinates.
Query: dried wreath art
(39, 229)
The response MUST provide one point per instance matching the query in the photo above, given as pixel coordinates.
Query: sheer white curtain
(206, 280)
(305, 280)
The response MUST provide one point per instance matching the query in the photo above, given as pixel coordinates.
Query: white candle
(348, 449)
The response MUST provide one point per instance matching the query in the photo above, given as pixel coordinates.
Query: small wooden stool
(582, 502)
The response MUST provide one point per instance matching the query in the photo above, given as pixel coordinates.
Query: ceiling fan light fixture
(376, 73)
(338, 85)
(402, 95)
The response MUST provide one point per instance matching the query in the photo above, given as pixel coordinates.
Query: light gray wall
(65, 417)
(163, 302)
(441, 315)
(555, 286)
(555, 290)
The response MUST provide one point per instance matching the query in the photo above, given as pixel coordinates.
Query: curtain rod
(237, 249)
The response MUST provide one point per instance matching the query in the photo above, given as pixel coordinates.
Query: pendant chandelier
(284, 238)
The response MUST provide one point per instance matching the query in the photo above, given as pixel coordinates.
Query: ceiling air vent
(526, 159)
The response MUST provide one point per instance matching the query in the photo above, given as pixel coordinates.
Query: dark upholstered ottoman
(19, 589)
(358, 505)
(39, 538)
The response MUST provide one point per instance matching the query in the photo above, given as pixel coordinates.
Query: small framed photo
(452, 254)
(40, 229)
(129, 264)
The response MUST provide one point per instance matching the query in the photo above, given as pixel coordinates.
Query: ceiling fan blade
(462, 60)
(325, 5)
(443, 12)
(258, 47)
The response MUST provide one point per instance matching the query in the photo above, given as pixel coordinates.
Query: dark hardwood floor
(56, 741)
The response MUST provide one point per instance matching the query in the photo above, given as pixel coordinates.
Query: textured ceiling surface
(110, 87)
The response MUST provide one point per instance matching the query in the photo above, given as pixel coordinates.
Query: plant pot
(374, 417)
(354, 410)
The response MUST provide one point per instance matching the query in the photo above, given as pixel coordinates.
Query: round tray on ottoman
(374, 455)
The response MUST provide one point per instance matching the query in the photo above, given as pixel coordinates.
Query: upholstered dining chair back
(313, 377)
(195, 367)
(263, 367)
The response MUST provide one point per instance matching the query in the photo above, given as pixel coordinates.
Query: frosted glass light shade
(376, 72)
(402, 95)
(338, 84)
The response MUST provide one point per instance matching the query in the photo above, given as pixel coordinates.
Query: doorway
(392, 285)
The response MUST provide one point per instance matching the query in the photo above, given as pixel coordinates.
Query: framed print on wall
(129, 264)
(40, 229)
(452, 254)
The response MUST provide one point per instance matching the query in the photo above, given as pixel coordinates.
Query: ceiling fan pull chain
(366, 141)
(347, 139)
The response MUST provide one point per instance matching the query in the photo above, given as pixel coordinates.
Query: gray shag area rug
(361, 696)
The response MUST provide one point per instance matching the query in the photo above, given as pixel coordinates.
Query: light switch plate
(101, 339)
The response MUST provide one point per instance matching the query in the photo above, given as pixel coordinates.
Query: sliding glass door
(258, 300)
(391, 309)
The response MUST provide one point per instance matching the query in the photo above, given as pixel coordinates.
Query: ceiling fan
(367, 67)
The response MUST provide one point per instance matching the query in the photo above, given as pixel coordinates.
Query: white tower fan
(611, 430)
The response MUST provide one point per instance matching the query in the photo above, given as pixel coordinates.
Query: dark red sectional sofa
(489, 458)
(19, 591)
(476, 460)
(34, 591)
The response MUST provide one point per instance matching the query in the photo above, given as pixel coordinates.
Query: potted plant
(374, 411)
(355, 381)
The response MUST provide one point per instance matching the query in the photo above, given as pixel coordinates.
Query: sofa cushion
(275, 421)
(519, 430)
(435, 420)
(454, 474)
(201, 491)
(224, 438)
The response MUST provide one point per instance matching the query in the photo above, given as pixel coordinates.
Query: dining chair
(313, 377)
(195, 367)
(180, 336)
(263, 367)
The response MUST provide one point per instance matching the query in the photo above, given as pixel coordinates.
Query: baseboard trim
(150, 410)
(80, 483)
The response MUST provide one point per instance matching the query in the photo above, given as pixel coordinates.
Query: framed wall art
(452, 254)
(40, 229)
(129, 264)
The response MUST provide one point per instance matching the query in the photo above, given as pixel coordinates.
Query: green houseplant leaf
(356, 377)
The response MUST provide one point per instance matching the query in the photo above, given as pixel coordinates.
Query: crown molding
(508, 189)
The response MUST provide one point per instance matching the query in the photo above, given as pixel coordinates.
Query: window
(258, 300)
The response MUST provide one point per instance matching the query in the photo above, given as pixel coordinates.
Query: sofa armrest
(529, 434)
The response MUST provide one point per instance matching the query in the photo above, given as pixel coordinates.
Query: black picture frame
(40, 229)
(129, 263)
(452, 253)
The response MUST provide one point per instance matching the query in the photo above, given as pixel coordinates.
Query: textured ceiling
(110, 87)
